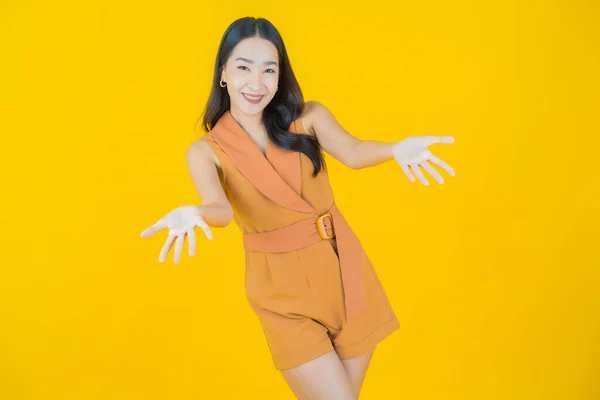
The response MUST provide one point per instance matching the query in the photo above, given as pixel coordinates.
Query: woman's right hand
(181, 222)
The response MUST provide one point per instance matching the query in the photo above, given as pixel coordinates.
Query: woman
(314, 290)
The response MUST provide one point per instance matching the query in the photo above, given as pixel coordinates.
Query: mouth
(252, 98)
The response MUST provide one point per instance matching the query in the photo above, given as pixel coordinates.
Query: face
(252, 75)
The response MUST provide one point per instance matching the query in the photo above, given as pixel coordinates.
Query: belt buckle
(321, 227)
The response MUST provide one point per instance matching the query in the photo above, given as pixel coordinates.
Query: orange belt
(309, 231)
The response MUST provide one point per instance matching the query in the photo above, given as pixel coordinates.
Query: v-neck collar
(277, 174)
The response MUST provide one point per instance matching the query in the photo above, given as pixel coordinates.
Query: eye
(269, 69)
(242, 66)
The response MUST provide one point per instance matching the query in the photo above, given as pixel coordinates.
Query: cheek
(236, 79)
(271, 82)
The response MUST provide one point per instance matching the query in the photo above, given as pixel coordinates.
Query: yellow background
(493, 275)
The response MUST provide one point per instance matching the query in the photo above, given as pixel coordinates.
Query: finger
(166, 247)
(153, 229)
(442, 164)
(202, 224)
(417, 171)
(407, 172)
(432, 171)
(444, 139)
(429, 140)
(191, 241)
(178, 248)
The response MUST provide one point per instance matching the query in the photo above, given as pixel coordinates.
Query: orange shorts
(299, 300)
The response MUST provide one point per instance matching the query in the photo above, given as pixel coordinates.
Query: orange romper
(311, 292)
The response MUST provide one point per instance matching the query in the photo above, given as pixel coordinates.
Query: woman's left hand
(412, 152)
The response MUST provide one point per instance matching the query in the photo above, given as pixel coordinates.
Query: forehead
(256, 49)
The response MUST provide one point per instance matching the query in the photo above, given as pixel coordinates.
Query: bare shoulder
(313, 112)
(310, 114)
(200, 149)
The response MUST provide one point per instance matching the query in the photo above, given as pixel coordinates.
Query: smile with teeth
(253, 99)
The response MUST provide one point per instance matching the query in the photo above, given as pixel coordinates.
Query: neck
(250, 123)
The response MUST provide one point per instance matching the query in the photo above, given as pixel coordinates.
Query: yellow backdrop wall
(493, 275)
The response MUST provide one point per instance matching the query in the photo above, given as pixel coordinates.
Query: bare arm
(346, 148)
(411, 153)
(215, 209)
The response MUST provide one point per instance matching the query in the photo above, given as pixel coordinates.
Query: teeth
(252, 97)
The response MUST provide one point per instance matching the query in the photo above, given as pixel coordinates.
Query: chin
(248, 109)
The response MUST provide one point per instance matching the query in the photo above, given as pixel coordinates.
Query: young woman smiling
(260, 164)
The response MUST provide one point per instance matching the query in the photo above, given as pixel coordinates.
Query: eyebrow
(252, 62)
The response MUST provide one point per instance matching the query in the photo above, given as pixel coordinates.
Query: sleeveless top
(290, 171)
(277, 191)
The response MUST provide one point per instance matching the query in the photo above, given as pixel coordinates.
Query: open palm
(180, 221)
(412, 153)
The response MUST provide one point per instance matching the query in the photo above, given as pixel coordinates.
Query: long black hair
(284, 108)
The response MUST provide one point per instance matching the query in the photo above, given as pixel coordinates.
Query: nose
(254, 82)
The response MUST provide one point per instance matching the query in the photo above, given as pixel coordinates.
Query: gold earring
(221, 83)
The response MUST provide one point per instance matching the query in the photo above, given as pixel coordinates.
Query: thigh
(356, 369)
(322, 378)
